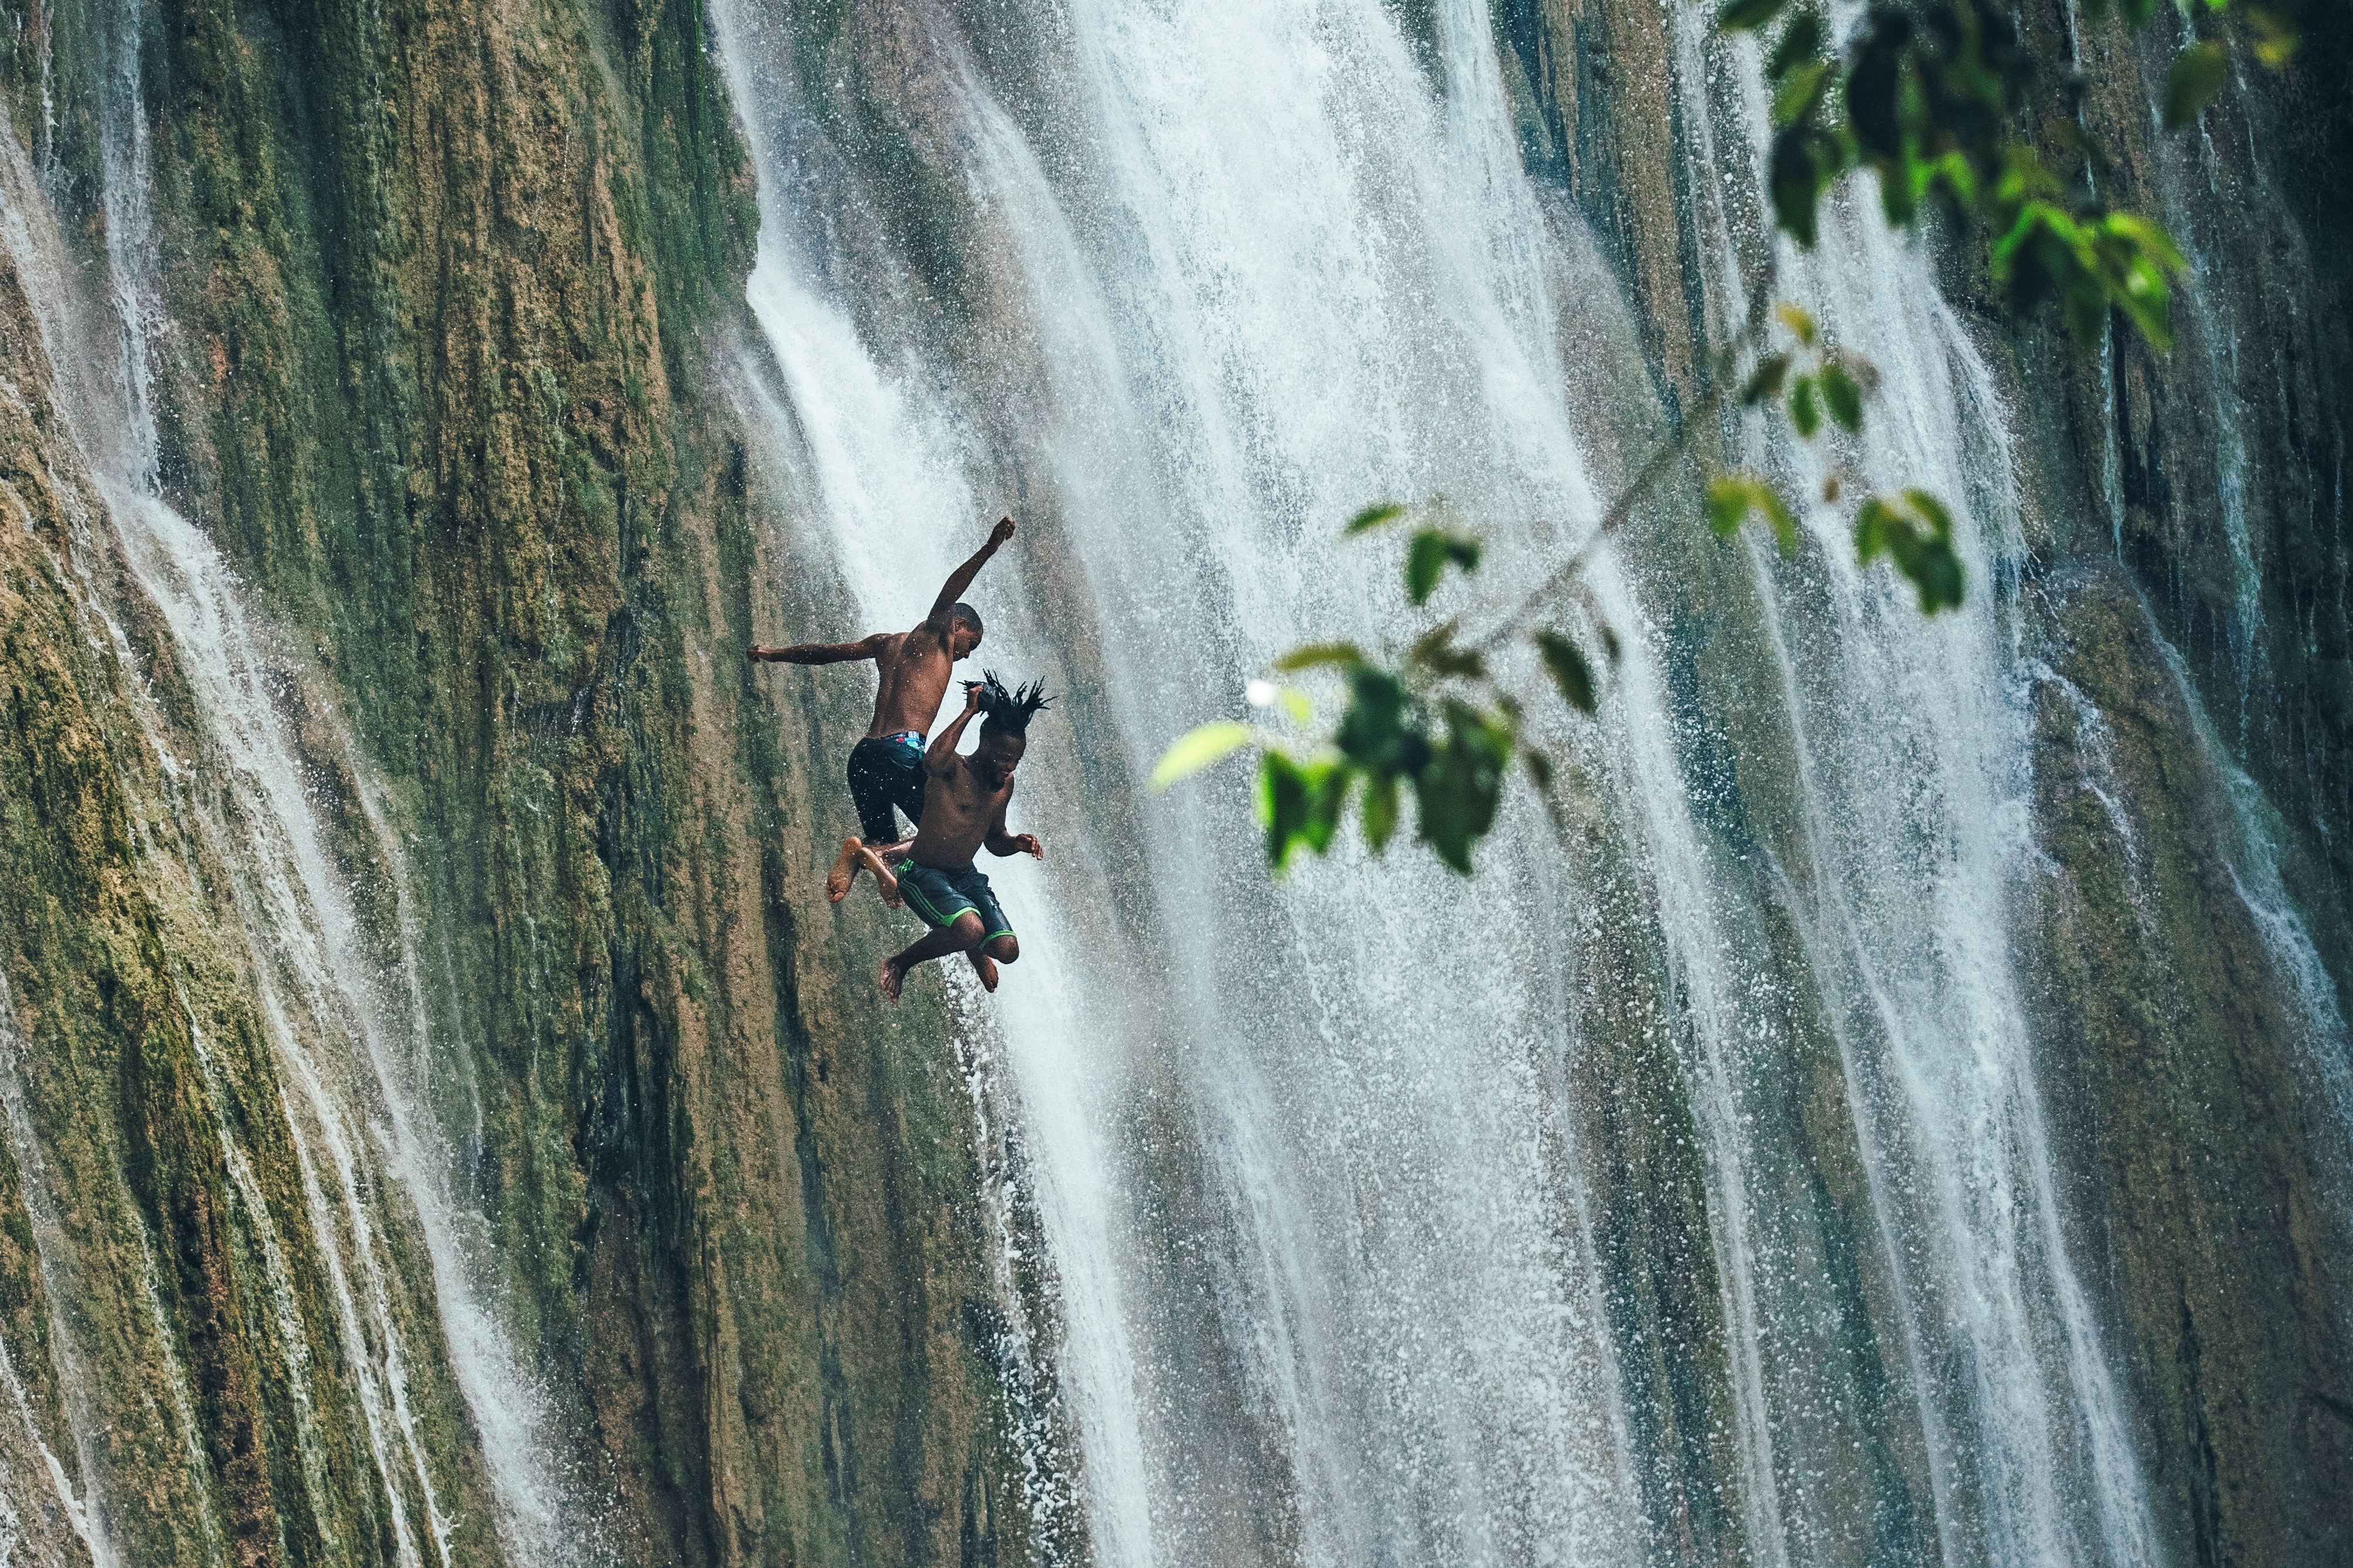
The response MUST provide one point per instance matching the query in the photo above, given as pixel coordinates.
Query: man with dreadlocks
(886, 768)
(964, 810)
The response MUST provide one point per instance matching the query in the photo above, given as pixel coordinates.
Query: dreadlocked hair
(1009, 711)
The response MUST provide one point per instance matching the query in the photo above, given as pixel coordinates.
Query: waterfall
(1722, 1175)
(1308, 1156)
(53, 1256)
(1436, 1382)
(1906, 920)
(346, 1029)
(2250, 853)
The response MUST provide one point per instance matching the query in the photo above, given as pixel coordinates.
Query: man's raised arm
(820, 652)
(939, 757)
(944, 607)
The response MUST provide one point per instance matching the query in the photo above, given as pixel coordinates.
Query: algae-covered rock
(430, 297)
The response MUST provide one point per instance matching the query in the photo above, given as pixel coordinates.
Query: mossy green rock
(444, 286)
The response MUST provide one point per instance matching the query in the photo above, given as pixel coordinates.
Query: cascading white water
(1436, 1382)
(1907, 913)
(1245, 269)
(348, 1034)
(52, 1254)
(2252, 858)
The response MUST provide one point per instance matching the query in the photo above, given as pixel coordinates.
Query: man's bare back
(915, 666)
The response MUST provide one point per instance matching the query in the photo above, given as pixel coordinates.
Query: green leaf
(2276, 36)
(1765, 381)
(1803, 412)
(1436, 652)
(1785, 526)
(1899, 191)
(1458, 791)
(1939, 577)
(1799, 91)
(1317, 654)
(1727, 505)
(1380, 811)
(1196, 749)
(1874, 88)
(1954, 174)
(2133, 260)
(1569, 671)
(1539, 768)
(1732, 497)
(1431, 552)
(2090, 264)
(1747, 16)
(1915, 534)
(1801, 40)
(1932, 512)
(1804, 162)
(2148, 237)
(1373, 517)
(1875, 524)
(1841, 396)
(1282, 806)
(1299, 803)
(2197, 75)
(1425, 560)
(1382, 729)
(1797, 320)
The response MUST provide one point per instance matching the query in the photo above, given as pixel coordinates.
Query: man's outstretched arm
(820, 652)
(1001, 843)
(944, 607)
(939, 757)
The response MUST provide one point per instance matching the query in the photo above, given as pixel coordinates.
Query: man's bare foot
(845, 871)
(890, 977)
(884, 883)
(986, 967)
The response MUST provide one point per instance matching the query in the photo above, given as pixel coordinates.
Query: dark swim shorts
(941, 896)
(884, 774)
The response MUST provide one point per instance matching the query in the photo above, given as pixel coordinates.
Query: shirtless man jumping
(886, 768)
(967, 799)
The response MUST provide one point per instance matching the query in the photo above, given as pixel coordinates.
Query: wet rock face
(2205, 1142)
(432, 298)
(2184, 636)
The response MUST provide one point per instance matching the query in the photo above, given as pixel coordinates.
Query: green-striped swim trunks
(941, 896)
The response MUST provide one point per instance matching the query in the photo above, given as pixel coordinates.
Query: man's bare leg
(957, 938)
(999, 949)
(845, 871)
(859, 856)
(884, 883)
